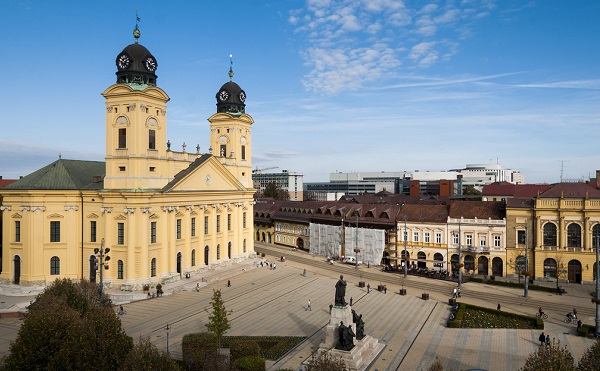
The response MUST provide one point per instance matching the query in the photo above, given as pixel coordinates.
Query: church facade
(158, 214)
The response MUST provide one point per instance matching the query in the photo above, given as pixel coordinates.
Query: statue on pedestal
(346, 334)
(340, 292)
(360, 325)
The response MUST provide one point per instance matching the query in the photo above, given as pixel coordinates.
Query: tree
(550, 357)
(218, 322)
(326, 362)
(68, 328)
(591, 358)
(146, 356)
(271, 190)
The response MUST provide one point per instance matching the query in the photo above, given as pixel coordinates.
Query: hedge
(240, 348)
(251, 364)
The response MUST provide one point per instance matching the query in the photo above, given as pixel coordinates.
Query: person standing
(454, 293)
(498, 308)
(304, 273)
(542, 339)
(368, 288)
(308, 307)
(458, 292)
(548, 340)
(228, 283)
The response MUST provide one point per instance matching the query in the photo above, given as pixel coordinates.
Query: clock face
(123, 61)
(223, 95)
(242, 96)
(207, 179)
(150, 64)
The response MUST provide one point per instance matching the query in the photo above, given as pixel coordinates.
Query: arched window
(469, 263)
(421, 263)
(218, 252)
(550, 234)
(574, 235)
(120, 269)
(550, 268)
(153, 268)
(193, 257)
(54, 265)
(596, 236)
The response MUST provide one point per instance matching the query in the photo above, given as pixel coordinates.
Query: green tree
(67, 328)
(146, 356)
(217, 319)
(550, 357)
(591, 358)
(326, 362)
(271, 190)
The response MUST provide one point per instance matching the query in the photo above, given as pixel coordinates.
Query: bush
(591, 358)
(145, 356)
(241, 348)
(585, 330)
(551, 357)
(251, 363)
(197, 348)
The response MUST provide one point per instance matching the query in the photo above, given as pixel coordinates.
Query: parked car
(351, 260)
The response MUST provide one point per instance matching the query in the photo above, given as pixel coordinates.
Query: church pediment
(120, 217)
(153, 216)
(16, 216)
(204, 174)
(92, 216)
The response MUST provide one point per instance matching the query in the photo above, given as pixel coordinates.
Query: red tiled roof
(5, 182)
(514, 190)
(572, 190)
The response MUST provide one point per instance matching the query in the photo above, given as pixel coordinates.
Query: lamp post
(356, 248)
(459, 258)
(526, 290)
(167, 329)
(597, 285)
(405, 237)
(102, 256)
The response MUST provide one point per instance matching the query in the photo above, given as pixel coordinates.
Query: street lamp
(405, 237)
(526, 292)
(460, 264)
(102, 256)
(167, 329)
(597, 285)
(356, 248)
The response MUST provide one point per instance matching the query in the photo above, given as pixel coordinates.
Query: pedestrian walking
(304, 273)
(308, 307)
(578, 324)
(351, 301)
(498, 308)
(454, 293)
(198, 286)
(547, 340)
(385, 289)
(368, 288)
(458, 292)
(228, 283)
(330, 308)
(542, 339)
(575, 312)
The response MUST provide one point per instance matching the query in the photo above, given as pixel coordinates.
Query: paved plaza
(268, 302)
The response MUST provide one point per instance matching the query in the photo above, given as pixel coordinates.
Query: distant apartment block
(288, 181)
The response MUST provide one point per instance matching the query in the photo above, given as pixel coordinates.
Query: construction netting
(326, 240)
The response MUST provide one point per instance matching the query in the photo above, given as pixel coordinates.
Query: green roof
(64, 174)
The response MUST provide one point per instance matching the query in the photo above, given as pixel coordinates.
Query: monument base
(364, 351)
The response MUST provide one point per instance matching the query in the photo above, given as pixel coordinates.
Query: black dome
(136, 65)
(231, 98)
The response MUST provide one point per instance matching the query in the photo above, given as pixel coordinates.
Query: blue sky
(347, 85)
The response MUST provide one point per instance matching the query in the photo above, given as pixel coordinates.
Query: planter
(380, 287)
(452, 301)
(403, 292)
(361, 284)
(425, 296)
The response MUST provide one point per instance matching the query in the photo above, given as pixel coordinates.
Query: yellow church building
(163, 214)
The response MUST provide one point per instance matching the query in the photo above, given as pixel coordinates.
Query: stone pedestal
(364, 350)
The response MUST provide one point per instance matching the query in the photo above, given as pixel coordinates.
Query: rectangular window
(17, 231)
(218, 223)
(193, 227)
(438, 237)
(521, 238)
(152, 169)
(93, 231)
(482, 241)
(122, 138)
(223, 150)
(206, 225)
(120, 269)
(455, 238)
(54, 265)
(54, 231)
(243, 152)
(244, 220)
(405, 236)
(152, 139)
(178, 229)
(152, 232)
(496, 241)
(415, 236)
(427, 237)
(228, 222)
(469, 240)
(121, 233)
(121, 168)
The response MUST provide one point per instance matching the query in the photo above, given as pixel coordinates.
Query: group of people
(544, 339)
(456, 293)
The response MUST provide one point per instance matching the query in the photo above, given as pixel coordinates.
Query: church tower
(136, 123)
(231, 131)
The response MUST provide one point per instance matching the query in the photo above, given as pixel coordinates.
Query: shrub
(145, 356)
(251, 363)
(591, 358)
(196, 348)
(241, 348)
(551, 357)
(585, 330)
